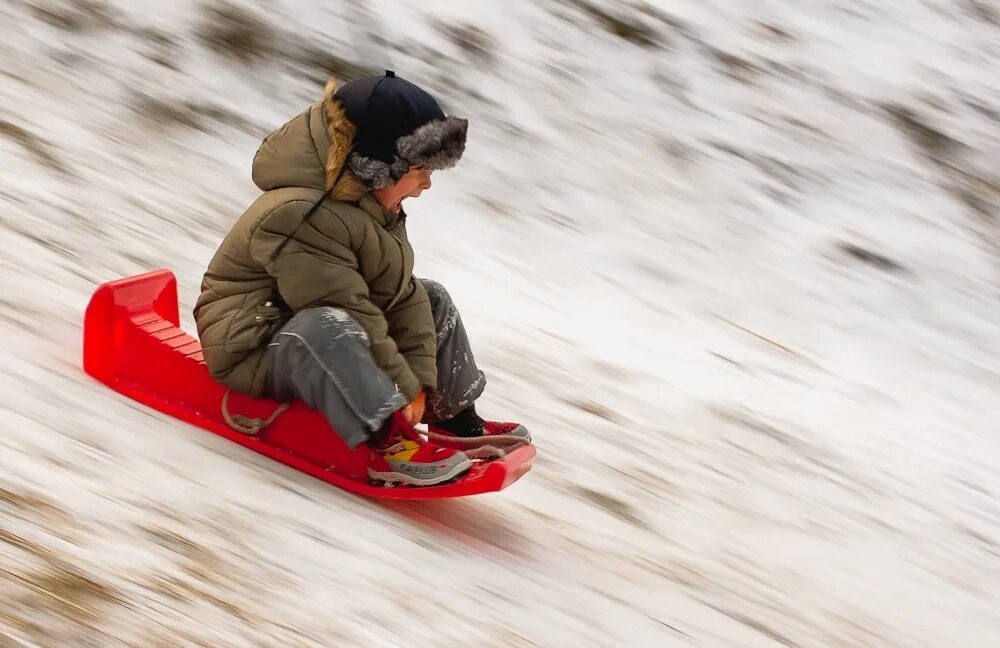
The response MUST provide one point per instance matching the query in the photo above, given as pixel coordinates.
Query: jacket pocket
(253, 327)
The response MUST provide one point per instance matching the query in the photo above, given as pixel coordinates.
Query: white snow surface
(747, 435)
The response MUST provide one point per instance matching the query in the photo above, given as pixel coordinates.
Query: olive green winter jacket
(351, 254)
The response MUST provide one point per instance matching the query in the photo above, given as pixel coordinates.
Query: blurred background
(735, 264)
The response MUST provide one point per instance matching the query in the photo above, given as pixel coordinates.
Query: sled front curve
(132, 342)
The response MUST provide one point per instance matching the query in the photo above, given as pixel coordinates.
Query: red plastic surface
(132, 342)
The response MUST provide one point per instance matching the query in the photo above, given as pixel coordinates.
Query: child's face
(411, 185)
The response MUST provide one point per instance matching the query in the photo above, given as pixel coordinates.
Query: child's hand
(414, 412)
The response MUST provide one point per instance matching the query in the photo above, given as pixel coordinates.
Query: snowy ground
(735, 264)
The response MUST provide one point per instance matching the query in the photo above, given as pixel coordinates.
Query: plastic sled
(132, 342)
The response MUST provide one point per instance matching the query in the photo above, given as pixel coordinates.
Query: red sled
(132, 342)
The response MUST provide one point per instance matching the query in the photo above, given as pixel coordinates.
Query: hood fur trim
(340, 131)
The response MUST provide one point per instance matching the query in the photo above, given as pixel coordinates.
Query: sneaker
(469, 430)
(405, 457)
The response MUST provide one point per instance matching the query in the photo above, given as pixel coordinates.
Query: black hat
(398, 125)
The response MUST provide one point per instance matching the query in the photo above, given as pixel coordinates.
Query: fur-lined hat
(396, 125)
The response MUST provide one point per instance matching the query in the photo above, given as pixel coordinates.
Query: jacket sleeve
(318, 267)
(411, 325)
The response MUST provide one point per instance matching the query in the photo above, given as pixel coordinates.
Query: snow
(747, 436)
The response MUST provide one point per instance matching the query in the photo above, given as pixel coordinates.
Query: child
(311, 296)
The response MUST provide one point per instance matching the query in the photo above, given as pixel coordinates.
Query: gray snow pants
(322, 357)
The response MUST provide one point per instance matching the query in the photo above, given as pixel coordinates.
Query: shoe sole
(409, 480)
(521, 431)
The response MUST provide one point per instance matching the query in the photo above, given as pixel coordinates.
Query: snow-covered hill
(735, 264)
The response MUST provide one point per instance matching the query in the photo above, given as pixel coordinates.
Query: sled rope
(485, 452)
(246, 424)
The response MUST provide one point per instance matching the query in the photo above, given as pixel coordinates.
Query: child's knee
(326, 323)
(437, 293)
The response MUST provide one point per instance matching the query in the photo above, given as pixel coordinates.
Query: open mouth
(398, 205)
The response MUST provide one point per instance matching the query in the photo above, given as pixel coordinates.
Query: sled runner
(132, 342)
